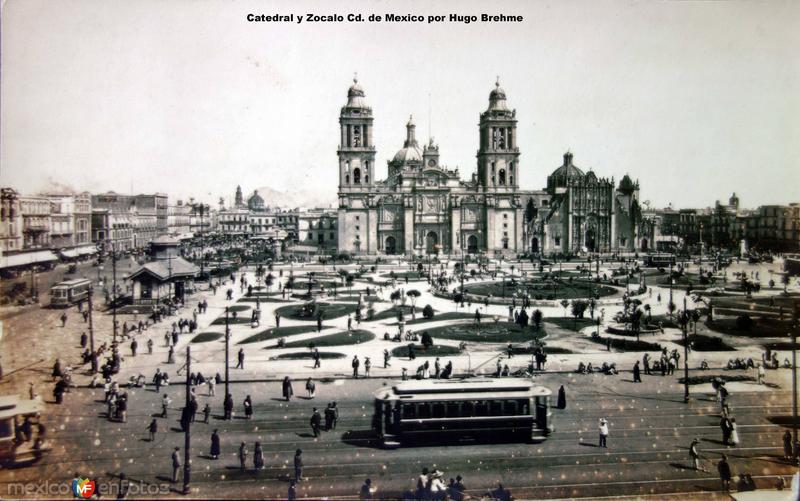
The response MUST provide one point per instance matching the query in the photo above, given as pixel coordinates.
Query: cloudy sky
(695, 99)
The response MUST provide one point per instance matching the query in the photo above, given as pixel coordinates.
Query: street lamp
(685, 323)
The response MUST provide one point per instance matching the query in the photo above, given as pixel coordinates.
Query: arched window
(511, 180)
(347, 179)
(502, 177)
(366, 178)
(356, 176)
(511, 168)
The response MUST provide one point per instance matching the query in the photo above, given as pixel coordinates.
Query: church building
(423, 207)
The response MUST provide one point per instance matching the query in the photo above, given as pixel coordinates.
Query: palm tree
(564, 304)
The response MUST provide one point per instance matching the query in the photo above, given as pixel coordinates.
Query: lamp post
(227, 353)
(685, 353)
(187, 437)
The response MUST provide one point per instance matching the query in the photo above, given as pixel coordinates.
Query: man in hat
(298, 465)
(366, 490)
(603, 428)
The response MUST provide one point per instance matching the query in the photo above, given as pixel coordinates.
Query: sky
(695, 99)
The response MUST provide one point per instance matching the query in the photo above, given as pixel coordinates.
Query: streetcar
(17, 447)
(454, 410)
(70, 292)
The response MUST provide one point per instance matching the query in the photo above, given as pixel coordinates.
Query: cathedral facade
(423, 207)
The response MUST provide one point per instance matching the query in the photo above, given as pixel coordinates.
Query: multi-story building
(130, 221)
(11, 225)
(774, 228)
(179, 218)
(62, 221)
(112, 229)
(83, 219)
(35, 222)
(318, 228)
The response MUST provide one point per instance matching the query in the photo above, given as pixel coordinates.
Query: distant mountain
(296, 198)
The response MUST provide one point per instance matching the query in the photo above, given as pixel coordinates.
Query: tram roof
(12, 405)
(73, 282)
(460, 389)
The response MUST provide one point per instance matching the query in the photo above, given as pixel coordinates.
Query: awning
(27, 258)
(87, 250)
(70, 253)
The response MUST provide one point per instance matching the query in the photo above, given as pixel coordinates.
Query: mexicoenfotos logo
(83, 487)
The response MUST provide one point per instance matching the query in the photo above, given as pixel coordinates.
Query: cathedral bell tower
(498, 156)
(356, 149)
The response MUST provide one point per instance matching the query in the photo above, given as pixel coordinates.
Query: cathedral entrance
(590, 240)
(472, 244)
(645, 245)
(431, 242)
(390, 246)
(535, 245)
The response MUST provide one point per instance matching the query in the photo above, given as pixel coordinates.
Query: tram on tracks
(462, 409)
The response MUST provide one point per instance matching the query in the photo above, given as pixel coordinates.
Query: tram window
(497, 408)
(424, 411)
(438, 409)
(481, 408)
(524, 406)
(453, 409)
(6, 429)
(409, 411)
(511, 408)
(469, 409)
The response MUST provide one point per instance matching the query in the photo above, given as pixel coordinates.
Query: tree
(426, 340)
(395, 297)
(564, 304)
(522, 319)
(269, 280)
(458, 298)
(537, 318)
(413, 294)
(649, 311)
(578, 308)
(427, 311)
(349, 281)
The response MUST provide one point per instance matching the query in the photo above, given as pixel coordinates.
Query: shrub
(427, 311)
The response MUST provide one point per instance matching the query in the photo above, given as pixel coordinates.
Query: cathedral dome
(626, 186)
(410, 151)
(355, 96)
(255, 202)
(564, 173)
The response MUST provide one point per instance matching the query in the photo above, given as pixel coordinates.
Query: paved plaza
(651, 427)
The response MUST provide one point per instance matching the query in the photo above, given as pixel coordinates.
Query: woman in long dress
(258, 457)
(734, 432)
(248, 408)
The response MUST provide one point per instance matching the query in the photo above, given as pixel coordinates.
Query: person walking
(258, 457)
(153, 429)
(734, 433)
(329, 418)
(316, 421)
(562, 398)
(240, 356)
(287, 388)
(248, 407)
(227, 406)
(311, 388)
(84, 340)
(603, 429)
(637, 373)
(355, 365)
(437, 368)
(165, 401)
(243, 456)
(787, 445)
(298, 465)
(176, 464)
(150, 346)
(761, 374)
(134, 347)
(206, 413)
(317, 359)
(725, 426)
(367, 366)
(386, 357)
(215, 445)
(694, 453)
(724, 470)
(211, 384)
(646, 363)
(63, 319)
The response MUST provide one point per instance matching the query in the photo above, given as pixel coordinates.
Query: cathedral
(423, 207)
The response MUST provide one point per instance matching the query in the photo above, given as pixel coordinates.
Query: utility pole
(91, 329)
(114, 291)
(187, 436)
(685, 352)
(794, 377)
(227, 353)
(669, 305)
